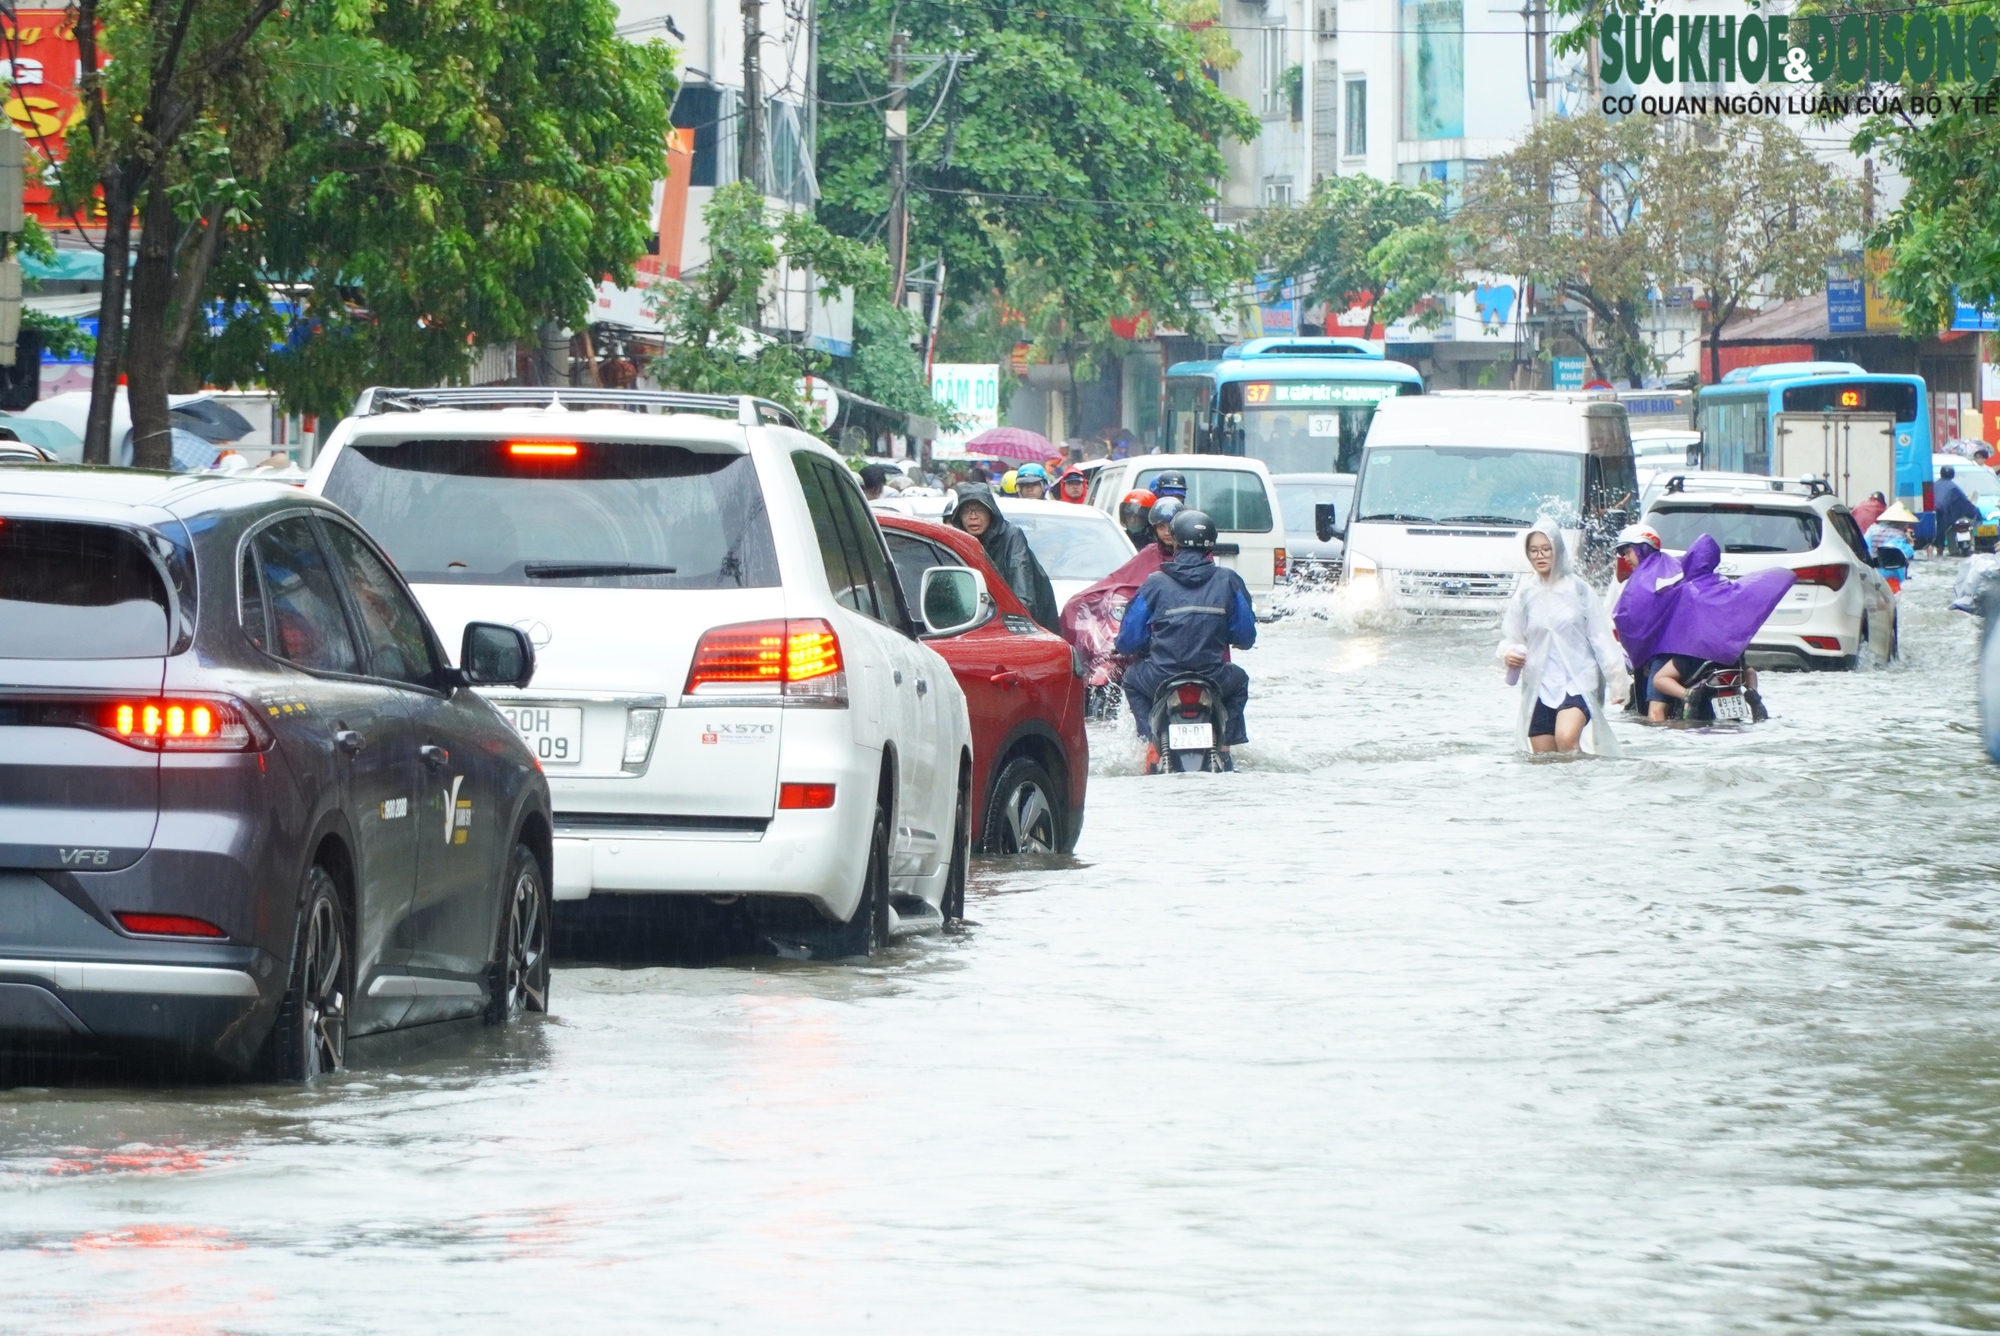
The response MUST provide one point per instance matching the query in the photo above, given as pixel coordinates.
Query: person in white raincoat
(1556, 640)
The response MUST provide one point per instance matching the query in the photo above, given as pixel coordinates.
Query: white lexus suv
(731, 698)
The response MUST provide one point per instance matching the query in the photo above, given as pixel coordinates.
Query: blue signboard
(1568, 373)
(1846, 306)
(1970, 317)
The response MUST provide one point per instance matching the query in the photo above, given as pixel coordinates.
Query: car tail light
(1930, 496)
(168, 925)
(1823, 642)
(797, 797)
(1190, 695)
(1278, 563)
(150, 723)
(542, 449)
(796, 661)
(1831, 576)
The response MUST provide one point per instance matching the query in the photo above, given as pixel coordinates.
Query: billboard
(1433, 60)
(39, 59)
(972, 388)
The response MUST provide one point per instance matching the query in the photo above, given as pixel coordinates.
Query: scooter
(1722, 694)
(1894, 564)
(1961, 538)
(1188, 724)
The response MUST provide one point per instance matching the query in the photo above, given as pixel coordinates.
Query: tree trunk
(146, 357)
(189, 284)
(97, 441)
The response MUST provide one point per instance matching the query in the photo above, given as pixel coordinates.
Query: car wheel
(310, 1038)
(520, 971)
(961, 849)
(869, 928)
(1024, 816)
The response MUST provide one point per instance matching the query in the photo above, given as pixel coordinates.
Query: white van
(1234, 491)
(1449, 483)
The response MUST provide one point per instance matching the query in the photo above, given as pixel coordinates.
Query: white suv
(731, 699)
(1840, 601)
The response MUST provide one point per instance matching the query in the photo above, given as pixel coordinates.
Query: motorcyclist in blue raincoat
(1184, 618)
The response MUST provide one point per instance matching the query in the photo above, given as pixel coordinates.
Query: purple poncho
(1712, 616)
(1643, 606)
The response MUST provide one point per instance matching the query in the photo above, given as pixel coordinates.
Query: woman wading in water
(1556, 641)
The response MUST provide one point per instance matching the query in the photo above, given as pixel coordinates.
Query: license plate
(1735, 709)
(554, 735)
(1190, 737)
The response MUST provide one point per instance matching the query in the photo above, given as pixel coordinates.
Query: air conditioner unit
(1329, 20)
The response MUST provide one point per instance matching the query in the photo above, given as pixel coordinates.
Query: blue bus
(1302, 405)
(1739, 418)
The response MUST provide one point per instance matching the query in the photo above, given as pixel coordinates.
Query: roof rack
(746, 409)
(1805, 485)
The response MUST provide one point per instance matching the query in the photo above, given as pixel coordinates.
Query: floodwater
(1391, 1031)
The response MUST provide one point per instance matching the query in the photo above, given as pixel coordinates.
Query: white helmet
(1636, 535)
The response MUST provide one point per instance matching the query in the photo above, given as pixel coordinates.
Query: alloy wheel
(527, 945)
(324, 995)
(1031, 821)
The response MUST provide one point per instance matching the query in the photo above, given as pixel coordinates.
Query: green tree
(1360, 241)
(1088, 145)
(512, 171)
(712, 317)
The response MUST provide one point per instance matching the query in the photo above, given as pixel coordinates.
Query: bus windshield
(1305, 426)
(1438, 484)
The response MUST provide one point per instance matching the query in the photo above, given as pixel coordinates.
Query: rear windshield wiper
(1762, 547)
(572, 570)
(1397, 517)
(1485, 519)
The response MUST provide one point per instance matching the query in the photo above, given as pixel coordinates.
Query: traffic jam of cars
(287, 764)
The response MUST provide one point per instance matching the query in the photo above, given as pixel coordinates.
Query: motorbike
(1961, 538)
(1188, 724)
(1718, 693)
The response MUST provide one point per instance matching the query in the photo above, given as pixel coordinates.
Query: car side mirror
(953, 599)
(492, 655)
(1325, 523)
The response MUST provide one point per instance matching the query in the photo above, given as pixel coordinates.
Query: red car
(1024, 690)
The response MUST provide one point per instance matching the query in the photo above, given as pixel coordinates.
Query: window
(1357, 118)
(913, 556)
(1277, 88)
(1233, 498)
(1739, 528)
(857, 569)
(1278, 192)
(250, 609)
(78, 591)
(617, 516)
(398, 646)
(1850, 532)
(308, 627)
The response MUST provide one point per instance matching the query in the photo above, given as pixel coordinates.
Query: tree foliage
(1360, 241)
(512, 169)
(1088, 146)
(1605, 213)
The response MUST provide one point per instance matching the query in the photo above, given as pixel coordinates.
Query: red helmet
(1132, 510)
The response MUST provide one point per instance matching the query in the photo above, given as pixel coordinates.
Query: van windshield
(561, 514)
(78, 591)
(1442, 484)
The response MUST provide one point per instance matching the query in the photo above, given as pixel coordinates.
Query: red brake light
(178, 724)
(168, 925)
(1823, 642)
(794, 797)
(1832, 576)
(1190, 695)
(542, 449)
(1278, 564)
(796, 660)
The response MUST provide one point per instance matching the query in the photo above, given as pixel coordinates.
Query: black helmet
(1164, 510)
(1192, 529)
(1171, 483)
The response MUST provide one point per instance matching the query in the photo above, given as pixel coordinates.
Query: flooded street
(1393, 1030)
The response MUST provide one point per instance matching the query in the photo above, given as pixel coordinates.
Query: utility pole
(898, 125)
(750, 154)
(1541, 58)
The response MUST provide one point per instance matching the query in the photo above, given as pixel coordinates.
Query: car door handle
(923, 687)
(899, 677)
(349, 741)
(437, 758)
(1005, 679)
